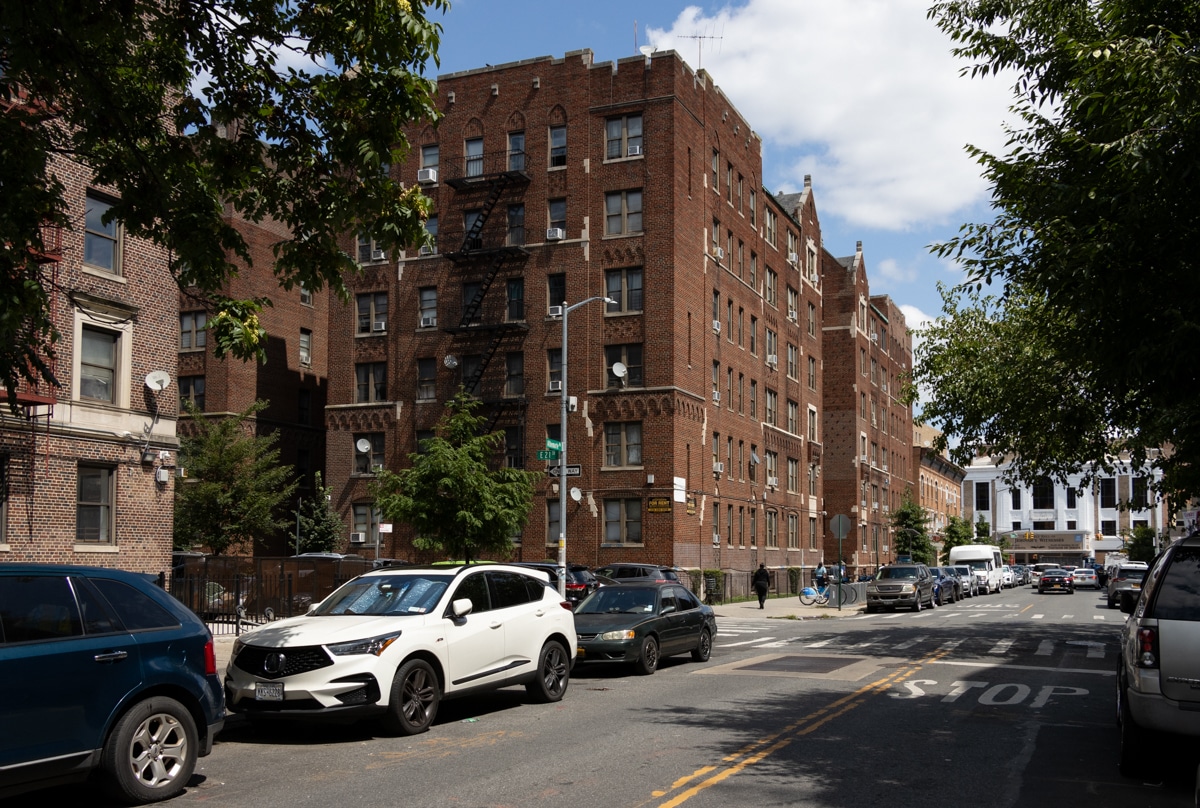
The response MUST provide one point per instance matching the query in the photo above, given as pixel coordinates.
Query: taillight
(1147, 648)
(568, 605)
(576, 587)
(210, 659)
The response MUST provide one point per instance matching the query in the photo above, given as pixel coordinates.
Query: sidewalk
(786, 608)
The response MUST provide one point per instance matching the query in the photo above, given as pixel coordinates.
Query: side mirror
(462, 607)
(667, 609)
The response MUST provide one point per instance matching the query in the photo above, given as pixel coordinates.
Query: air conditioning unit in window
(427, 175)
(772, 360)
(862, 459)
(773, 482)
(555, 234)
(718, 468)
(379, 325)
(428, 322)
(793, 258)
(554, 311)
(358, 538)
(378, 254)
(716, 326)
(792, 315)
(716, 396)
(427, 251)
(556, 387)
(719, 253)
(875, 338)
(634, 151)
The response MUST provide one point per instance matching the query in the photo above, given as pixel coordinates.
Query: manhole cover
(800, 664)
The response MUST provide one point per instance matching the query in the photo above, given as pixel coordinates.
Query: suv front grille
(283, 662)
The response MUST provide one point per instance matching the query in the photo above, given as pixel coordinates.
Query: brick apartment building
(88, 469)
(697, 422)
(293, 379)
(868, 429)
(939, 482)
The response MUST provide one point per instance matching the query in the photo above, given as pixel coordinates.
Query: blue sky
(861, 94)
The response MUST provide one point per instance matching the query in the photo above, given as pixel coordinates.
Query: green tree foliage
(321, 528)
(1142, 544)
(983, 529)
(1088, 348)
(236, 490)
(273, 110)
(910, 524)
(957, 533)
(457, 504)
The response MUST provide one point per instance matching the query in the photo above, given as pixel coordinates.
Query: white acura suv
(394, 642)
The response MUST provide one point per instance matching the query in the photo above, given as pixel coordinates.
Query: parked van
(985, 562)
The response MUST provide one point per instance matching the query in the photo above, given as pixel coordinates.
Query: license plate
(268, 691)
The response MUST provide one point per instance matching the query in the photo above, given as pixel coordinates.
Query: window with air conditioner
(773, 482)
(427, 175)
(358, 538)
(554, 311)
(792, 258)
(719, 252)
(716, 326)
(772, 360)
(623, 137)
(716, 396)
(555, 234)
(372, 309)
(556, 387)
(718, 467)
(426, 322)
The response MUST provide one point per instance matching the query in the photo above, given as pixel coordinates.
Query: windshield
(386, 594)
(898, 572)
(614, 600)
(979, 565)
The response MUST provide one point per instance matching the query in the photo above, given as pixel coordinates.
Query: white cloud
(863, 95)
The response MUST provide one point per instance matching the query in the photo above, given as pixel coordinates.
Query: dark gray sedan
(641, 623)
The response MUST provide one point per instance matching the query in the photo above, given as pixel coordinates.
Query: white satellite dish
(363, 445)
(620, 371)
(576, 494)
(451, 361)
(158, 380)
(647, 50)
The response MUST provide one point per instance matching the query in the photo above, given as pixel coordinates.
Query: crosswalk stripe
(1001, 647)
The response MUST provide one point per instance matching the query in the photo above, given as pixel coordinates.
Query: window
(366, 522)
(772, 340)
(625, 287)
(469, 370)
(514, 379)
(769, 226)
(94, 505)
(472, 301)
(516, 226)
(793, 417)
(754, 461)
(716, 169)
(623, 444)
(101, 242)
(515, 300)
(369, 251)
(623, 137)
(771, 288)
(556, 289)
(473, 222)
(554, 365)
(812, 532)
(812, 320)
(431, 227)
(793, 475)
(754, 399)
(373, 310)
(740, 183)
(514, 447)
(753, 335)
(372, 381)
(1071, 494)
(558, 214)
(812, 424)
(553, 524)
(793, 361)
(306, 344)
(191, 330)
(558, 146)
(729, 183)
(812, 373)
(741, 393)
(772, 519)
(1108, 492)
(98, 365)
(516, 151)
(473, 148)
(812, 479)
(629, 355)
(1016, 499)
(368, 452)
(427, 302)
(753, 279)
(1108, 527)
(623, 212)
(622, 521)
(983, 497)
(306, 297)
(753, 209)
(1140, 496)
(191, 392)
(429, 156)
(1043, 494)
(771, 403)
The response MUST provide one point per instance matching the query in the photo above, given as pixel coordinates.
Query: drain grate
(800, 664)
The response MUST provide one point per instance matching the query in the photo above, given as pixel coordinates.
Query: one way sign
(572, 471)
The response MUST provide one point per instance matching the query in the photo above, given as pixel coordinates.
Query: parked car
(1157, 693)
(1020, 575)
(1085, 576)
(1056, 580)
(1125, 583)
(396, 641)
(970, 584)
(642, 624)
(1007, 581)
(106, 675)
(579, 579)
(638, 572)
(946, 587)
(896, 585)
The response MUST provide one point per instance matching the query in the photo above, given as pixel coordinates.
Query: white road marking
(1001, 647)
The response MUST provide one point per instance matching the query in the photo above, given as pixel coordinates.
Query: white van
(985, 562)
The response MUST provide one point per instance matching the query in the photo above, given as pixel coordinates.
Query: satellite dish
(647, 50)
(363, 445)
(576, 494)
(158, 380)
(619, 370)
(451, 361)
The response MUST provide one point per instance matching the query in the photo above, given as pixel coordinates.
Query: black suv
(638, 572)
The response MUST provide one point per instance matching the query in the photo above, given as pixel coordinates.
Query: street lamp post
(562, 452)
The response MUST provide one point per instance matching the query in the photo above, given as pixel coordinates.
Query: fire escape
(488, 252)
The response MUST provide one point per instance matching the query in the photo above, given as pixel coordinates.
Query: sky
(863, 95)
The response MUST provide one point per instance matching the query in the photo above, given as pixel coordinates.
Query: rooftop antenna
(700, 45)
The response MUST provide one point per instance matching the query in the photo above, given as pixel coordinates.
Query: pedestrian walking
(822, 575)
(762, 582)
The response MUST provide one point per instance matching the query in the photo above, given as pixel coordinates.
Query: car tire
(414, 699)
(554, 673)
(917, 602)
(871, 609)
(647, 661)
(151, 752)
(703, 649)
(1112, 602)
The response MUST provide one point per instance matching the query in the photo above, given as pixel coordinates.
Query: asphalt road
(1004, 700)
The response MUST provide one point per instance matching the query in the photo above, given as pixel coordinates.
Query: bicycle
(820, 596)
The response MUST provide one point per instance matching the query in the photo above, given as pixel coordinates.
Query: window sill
(624, 158)
(96, 548)
(103, 273)
(622, 468)
(630, 545)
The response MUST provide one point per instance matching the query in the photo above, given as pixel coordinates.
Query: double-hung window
(558, 146)
(371, 380)
(373, 312)
(191, 392)
(368, 452)
(624, 287)
(101, 241)
(623, 521)
(630, 356)
(191, 330)
(98, 365)
(516, 151)
(623, 137)
(94, 505)
(623, 444)
(473, 148)
(623, 212)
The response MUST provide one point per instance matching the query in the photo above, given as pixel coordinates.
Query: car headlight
(623, 634)
(372, 645)
(908, 588)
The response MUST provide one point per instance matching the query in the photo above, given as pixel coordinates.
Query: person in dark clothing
(762, 582)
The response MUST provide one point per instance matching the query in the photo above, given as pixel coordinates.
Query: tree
(455, 502)
(236, 489)
(321, 528)
(1092, 250)
(192, 113)
(911, 525)
(1142, 545)
(957, 533)
(983, 529)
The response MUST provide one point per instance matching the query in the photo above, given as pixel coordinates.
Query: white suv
(396, 641)
(1158, 677)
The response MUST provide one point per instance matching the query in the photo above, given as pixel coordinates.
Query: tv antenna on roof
(700, 45)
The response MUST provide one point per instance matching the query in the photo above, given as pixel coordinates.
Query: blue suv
(105, 674)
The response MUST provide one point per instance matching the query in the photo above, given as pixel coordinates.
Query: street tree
(457, 503)
(983, 529)
(1082, 353)
(958, 532)
(1142, 544)
(236, 490)
(321, 529)
(190, 114)
(911, 526)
